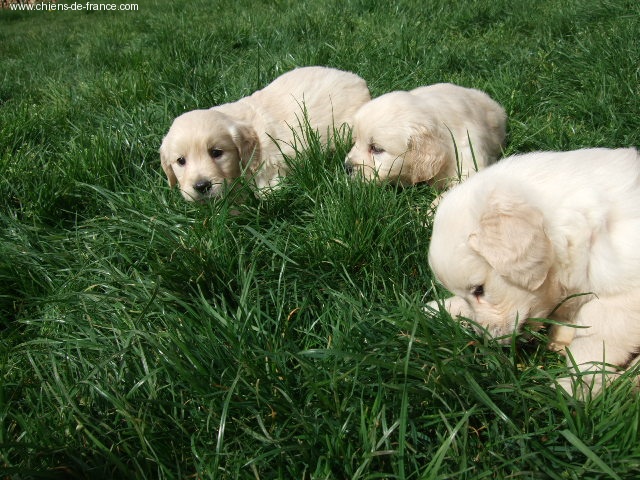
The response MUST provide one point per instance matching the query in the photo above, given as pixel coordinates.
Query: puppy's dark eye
(375, 150)
(181, 161)
(478, 291)
(215, 152)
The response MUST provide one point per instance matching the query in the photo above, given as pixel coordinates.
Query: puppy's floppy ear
(427, 155)
(166, 165)
(246, 141)
(511, 238)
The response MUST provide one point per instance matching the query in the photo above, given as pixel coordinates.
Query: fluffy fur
(412, 137)
(206, 150)
(520, 237)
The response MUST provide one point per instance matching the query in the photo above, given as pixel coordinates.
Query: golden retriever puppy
(551, 235)
(432, 134)
(206, 150)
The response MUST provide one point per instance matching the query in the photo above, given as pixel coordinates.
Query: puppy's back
(329, 96)
(590, 169)
(552, 179)
(472, 107)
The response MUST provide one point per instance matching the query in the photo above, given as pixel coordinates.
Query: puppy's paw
(576, 388)
(583, 386)
(432, 306)
(559, 348)
(561, 337)
(566, 384)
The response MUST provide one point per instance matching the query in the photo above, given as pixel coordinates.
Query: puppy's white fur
(412, 137)
(525, 234)
(206, 150)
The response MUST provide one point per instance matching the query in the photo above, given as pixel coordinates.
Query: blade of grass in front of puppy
(457, 155)
(580, 445)
(485, 399)
(570, 297)
(270, 244)
(404, 404)
(550, 321)
(436, 461)
(473, 153)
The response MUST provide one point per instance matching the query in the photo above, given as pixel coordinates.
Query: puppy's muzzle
(348, 167)
(202, 186)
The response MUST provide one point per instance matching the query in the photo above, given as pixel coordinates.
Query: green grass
(145, 337)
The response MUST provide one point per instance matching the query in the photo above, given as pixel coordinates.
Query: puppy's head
(204, 151)
(490, 248)
(398, 140)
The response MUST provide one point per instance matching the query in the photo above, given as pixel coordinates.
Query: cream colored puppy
(516, 240)
(206, 150)
(429, 134)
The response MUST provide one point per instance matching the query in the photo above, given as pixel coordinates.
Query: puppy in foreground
(206, 150)
(432, 134)
(551, 235)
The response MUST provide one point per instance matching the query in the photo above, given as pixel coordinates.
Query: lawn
(142, 336)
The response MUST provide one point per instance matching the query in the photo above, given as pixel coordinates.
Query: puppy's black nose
(348, 168)
(202, 186)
